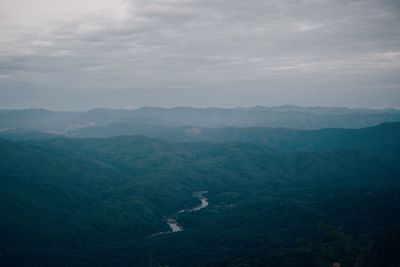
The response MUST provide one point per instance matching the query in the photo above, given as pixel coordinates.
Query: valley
(223, 197)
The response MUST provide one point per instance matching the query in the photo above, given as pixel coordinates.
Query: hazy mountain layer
(284, 116)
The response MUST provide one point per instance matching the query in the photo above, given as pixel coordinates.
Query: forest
(277, 196)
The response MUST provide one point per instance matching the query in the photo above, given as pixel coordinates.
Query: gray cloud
(208, 53)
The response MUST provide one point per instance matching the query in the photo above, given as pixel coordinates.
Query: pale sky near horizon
(74, 54)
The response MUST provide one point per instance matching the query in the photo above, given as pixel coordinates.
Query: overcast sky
(75, 54)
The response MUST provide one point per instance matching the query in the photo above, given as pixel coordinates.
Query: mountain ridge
(283, 116)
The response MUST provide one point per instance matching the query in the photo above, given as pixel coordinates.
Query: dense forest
(100, 195)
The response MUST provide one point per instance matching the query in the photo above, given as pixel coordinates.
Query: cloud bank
(67, 55)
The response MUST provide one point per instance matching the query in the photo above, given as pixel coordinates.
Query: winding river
(172, 220)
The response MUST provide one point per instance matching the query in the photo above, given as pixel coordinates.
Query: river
(172, 220)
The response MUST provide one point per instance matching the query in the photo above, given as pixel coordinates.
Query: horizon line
(203, 108)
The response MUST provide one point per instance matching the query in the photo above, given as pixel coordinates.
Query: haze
(80, 55)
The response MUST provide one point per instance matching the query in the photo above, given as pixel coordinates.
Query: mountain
(283, 116)
(382, 138)
(103, 202)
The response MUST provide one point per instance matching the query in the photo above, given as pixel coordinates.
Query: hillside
(99, 201)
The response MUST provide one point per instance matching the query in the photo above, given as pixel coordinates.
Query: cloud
(203, 45)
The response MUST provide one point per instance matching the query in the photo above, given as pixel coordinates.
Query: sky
(77, 55)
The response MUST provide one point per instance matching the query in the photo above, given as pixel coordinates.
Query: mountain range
(282, 116)
(101, 195)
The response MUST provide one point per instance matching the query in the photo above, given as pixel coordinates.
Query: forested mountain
(102, 187)
(283, 116)
(381, 138)
(103, 202)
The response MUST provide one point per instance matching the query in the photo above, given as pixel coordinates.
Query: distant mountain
(284, 116)
(35, 119)
(103, 202)
(383, 138)
(21, 135)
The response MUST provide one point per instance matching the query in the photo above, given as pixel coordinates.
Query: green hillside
(98, 202)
